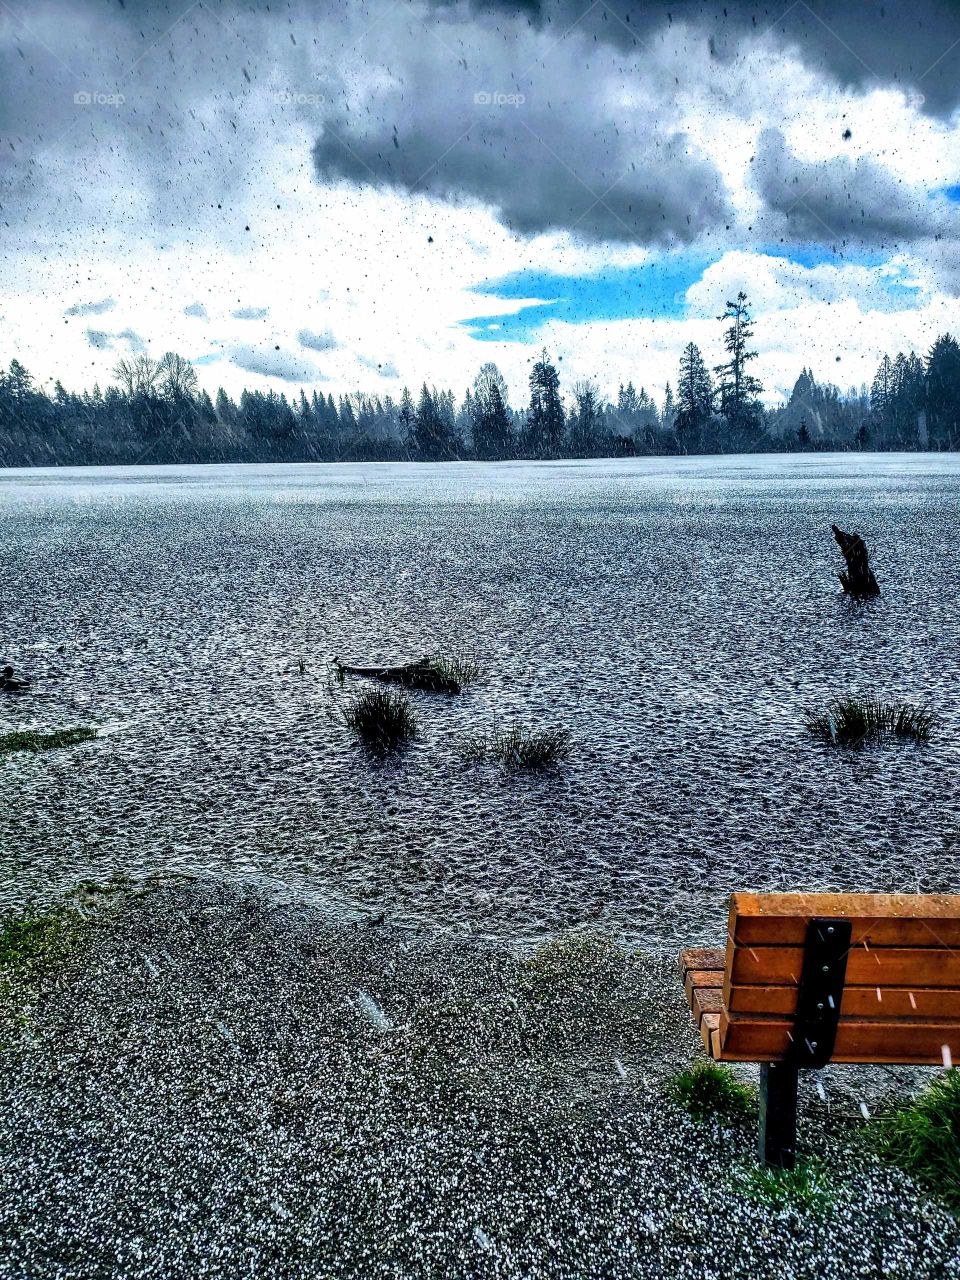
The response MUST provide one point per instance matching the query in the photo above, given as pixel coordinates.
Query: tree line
(155, 411)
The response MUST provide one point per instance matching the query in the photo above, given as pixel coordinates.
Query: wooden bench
(812, 978)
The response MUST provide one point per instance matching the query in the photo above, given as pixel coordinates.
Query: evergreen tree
(882, 398)
(226, 410)
(545, 423)
(490, 415)
(586, 420)
(694, 400)
(737, 389)
(942, 393)
(669, 409)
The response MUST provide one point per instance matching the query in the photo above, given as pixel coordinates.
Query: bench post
(778, 1113)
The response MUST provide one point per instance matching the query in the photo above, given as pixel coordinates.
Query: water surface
(677, 615)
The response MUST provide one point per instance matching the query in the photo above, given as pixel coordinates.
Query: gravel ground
(215, 1083)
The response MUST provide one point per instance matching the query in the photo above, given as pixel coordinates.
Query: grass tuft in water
(519, 747)
(924, 1137)
(35, 740)
(383, 719)
(707, 1090)
(454, 673)
(806, 1186)
(850, 722)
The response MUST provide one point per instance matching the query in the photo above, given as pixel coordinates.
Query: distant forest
(156, 412)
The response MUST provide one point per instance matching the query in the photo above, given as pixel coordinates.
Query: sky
(370, 195)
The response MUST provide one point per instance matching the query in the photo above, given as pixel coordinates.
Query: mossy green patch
(36, 740)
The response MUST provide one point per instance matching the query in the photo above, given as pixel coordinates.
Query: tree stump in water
(858, 580)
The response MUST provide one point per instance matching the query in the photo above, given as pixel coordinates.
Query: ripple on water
(676, 615)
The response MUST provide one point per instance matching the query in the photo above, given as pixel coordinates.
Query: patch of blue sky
(655, 290)
(952, 193)
(814, 254)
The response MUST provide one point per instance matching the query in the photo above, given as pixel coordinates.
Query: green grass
(35, 740)
(519, 747)
(29, 940)
(445, 675)
(707, 1090)
(924, 1137)
(383, 719)
(806, 1186)
(850, 722)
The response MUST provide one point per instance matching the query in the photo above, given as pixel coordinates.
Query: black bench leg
(778, 1114)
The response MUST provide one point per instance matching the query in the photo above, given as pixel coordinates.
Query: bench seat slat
(869, 967)
(699, 979)
(759, 1039)
(702, 958)
(858, 1002)
(880, 919)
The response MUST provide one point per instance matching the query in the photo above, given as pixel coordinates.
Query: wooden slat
(709, 1031)
(702, 958)
(881, 919)
(698, 978)
(706, 1000)
(758, 1039)
(858, 1002)
(883, 966)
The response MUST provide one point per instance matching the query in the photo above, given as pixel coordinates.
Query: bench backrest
(899, 995)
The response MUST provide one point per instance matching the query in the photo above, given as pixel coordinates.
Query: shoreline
(213, 1077)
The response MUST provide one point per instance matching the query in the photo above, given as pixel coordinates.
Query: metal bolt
(829, 929)
(825, 969)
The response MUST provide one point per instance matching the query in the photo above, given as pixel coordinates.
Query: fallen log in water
(436, 675)
(858, 580)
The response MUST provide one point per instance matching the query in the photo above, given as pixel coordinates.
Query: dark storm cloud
(840, 199)
(542, 166)
(197, 310)
(250, 313)
(390, 93)
(316, 341)
(860, 45)
(90, 308)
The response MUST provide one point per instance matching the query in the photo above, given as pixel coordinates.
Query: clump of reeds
(850, 722)
(35, 740)
(382, 718)
(454, 673)
(924, 1137)
(519, 747)
(707, 1090)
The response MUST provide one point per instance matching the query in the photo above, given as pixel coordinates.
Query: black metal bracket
(820, 992)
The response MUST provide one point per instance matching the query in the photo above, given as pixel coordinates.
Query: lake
(677, 615)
